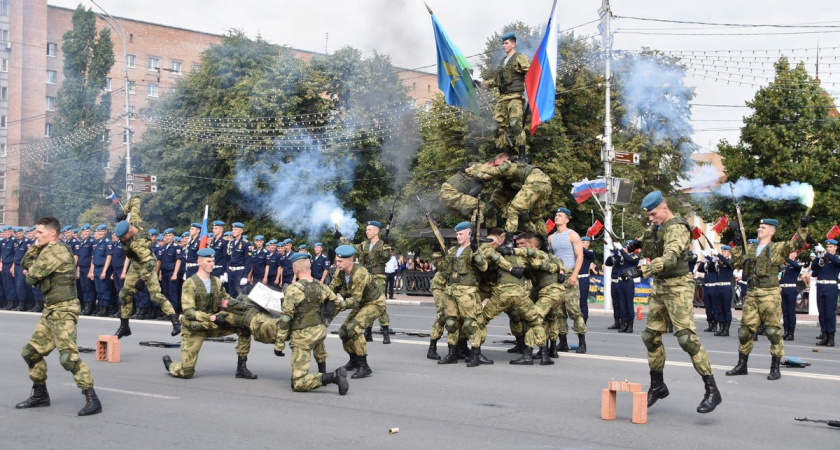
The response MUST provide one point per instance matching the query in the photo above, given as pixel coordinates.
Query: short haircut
(496, 232)
(302, 264)
(49, 222)
(535, 240)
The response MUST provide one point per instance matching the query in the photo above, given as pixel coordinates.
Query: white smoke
(803, 192)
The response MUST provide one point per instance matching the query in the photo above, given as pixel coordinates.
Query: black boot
(828, 341)
(39, 306)
(464, 349)
(474, 354)
(33, 307)
(136, 313)
(741, 367)
(364, 369)
(451, 357)
(658, 389)
(322, 368)
(102, 311)
(712, 397)
(176, 324)
(483, 359)
(711, 327)
(92, 405)
(581, 344)
(520, 345)
(791, 332)
(339, 377)
(21, 306)
(38, 397)
(16, 306)
(774, 368)
(353, 364)
(552, 349)
(723, 330)
(821, 336)
(526, 359)
(545, 357)
(563, 346)
(432, 353)
(540, 352)
(369, 334)
(123, 330)
(616, 325)
(386, 336)
(114, 312)
(624, 325)
(88, 309)
(629, 327)
(167, 361)
(242, 369)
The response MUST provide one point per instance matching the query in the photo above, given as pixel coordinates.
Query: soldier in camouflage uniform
(459, 193)
(763, 303)
(524, 211)
(49, 264)
(373, 253)
(666, 242)
(509, 77)
(202, 299)
(437, 286)
(364, 298)
(141, 272)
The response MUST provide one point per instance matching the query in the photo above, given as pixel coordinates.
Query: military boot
(364, 370)
(451, 357)
(386, 336)
(483, 359)
(563, 346)
(369, 334)
(464, 349)
(545, 359)
(821, 336)
(15, 306)
(581, 343)
(33, 307)
(527, 358)
(520, 345)
(552, 349)
(322, 367)
(114, 312)
(88, 309)
(38, 397)
(432, 353)
(774, 368)
(629, 327)
(102, 311)
(724, 330)
(711, 326)
(92, 405)
(21, 306)
(828, 341)
(741, 367)
(474, 360)
(616, 325)
(176, 324)
(712, 397)
(623, 325)
(39, 306)
(353, 364)
(339, 377)
(242, 369)
(123, 330)
(542, 349)
(785, 335)
(135, 313)
(658, 389)
(791, 331)
(167, 361)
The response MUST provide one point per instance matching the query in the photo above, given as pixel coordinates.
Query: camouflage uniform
(373, 259)
(365, 299)
(198, 307)
(549, 293)
(459, 194)
(438, 286)
(530, 200)
(672, 294)
(51, 267)
(510, 106)
(138, 249)
(461, 302)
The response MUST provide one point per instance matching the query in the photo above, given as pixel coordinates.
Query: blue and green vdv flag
(454, 72)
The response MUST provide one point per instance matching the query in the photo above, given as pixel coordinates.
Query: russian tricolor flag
(202, 237)
(585, 189)
(540, 82)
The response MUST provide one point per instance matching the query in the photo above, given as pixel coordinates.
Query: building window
(176, 67)
(129, 60)
(52, 76)
(48, 130)
(50, 103)
(4, 36)
(153, 63)
(107, 84)
(131, 112)
(2, 150)
(153, 90)
(3, 214)
(4, 65)
(2, 121)
(130, 87)
(125, 136)
(106, 136)
(3, 180)
(52, 49)
(4, 93)
(4, 8)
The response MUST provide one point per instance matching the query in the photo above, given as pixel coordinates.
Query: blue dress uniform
(589, 258)
(272, 263)
(192, 253)
(320, 264)
(24, 291)
(88, 289)
(623, 292)
(170, 255)
(286, 263)
(7, 256)
(258, 262)
(219, 244)
(723, 294)
(710, 283)
(238, 262)
(117, 265)
(827, 269)
(102, 249)
(789, 293)
(4, 303)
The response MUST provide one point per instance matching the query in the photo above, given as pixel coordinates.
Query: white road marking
(121, 391)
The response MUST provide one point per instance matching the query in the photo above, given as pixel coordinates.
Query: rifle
(831, 423)
(160, 344)
(476, 223)
(740, 220)
(390, 220)
(433, 225)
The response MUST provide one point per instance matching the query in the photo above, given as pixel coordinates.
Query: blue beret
(652, 200)
(86, 227)
(206, 252)
(101, 227)
(121, 229)
(272, 242)
(318, 244)
(508, 35)
(287, 241)
(32, 228)
(169, 231)
(345, 251)
(211, 235)
(752, 241)
(302, 247)
(375, 223)
(586, 238)
(18, 229)
(153, 231)
(299, 255)
(218, 223)
(75, 230)
(725, 247)
(185, 234)
(259, 237)
(462, 226)
(238, 225)
(564, 211)
(773, 222)
(245, 236)
(831, 242)
(227, 233)
(195, 225)
(176, 239)
(64, 230)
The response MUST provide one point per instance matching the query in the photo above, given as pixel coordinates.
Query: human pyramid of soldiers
(535, 278)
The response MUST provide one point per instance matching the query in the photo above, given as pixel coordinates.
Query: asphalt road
(498, 406)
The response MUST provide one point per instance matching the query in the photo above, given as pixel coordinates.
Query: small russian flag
(584, 189)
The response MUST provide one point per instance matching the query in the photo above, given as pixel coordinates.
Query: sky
(402, 29)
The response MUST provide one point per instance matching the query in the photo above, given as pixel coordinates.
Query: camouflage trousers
(530, 202)
(352, 331)
(673, 298)
(569, 307)
(263, 329)
(303, 342)
(440, 316)
(462, 308)
(514, 298)
(142, 271)
(191, 341)
(547, 305)
(459, 203)
(508, 113)
(384, 318)
(762, 305)
(57, 329)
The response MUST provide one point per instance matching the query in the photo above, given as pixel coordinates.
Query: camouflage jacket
(372, 259)
(52, 267)
(359, 290)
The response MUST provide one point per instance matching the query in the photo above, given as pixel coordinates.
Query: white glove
(707, 253)
(819, 248)
(616, 246)
(223, 278)
(243, 281)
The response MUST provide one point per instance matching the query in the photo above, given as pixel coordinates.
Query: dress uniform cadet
(101, 271)
(7, 257)
(170, 265)
(272, 265)
(219, 244)
(7, 304)
(589, 259)
(666, 243)
(623, 291)
(238, 251)
(723, 291)
(710, 279)
(203, 299)
(182, 272)
(258, 261)
(509, 78)
(192, 249)
(118, 262)
(826, 267)
(288, 274)
(88, 289)
(320, 263)
(24, 291)
(789, 293)
(763, 303)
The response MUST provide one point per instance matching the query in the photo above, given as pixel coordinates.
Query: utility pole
(607, 151)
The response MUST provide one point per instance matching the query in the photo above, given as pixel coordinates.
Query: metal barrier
(415, 282)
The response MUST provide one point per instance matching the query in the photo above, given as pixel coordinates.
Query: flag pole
(429, 9)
